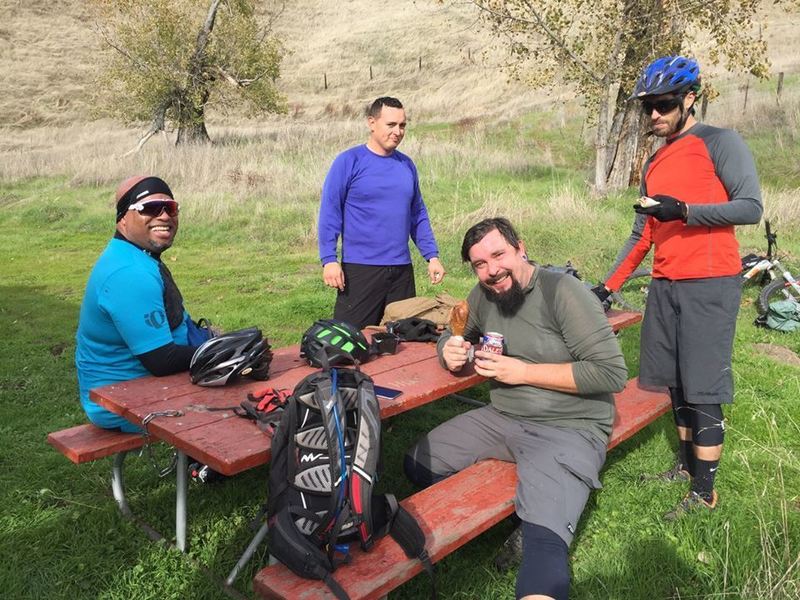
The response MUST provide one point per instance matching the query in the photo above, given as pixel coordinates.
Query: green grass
(61, 535)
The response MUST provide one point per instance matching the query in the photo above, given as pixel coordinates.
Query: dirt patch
(779, 353)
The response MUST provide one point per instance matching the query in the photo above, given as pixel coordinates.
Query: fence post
(780, 87)
(746, 92)
(325, 80)
(703, 108)
(420, 63)
(370, 72)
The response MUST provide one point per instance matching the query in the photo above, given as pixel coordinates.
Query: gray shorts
(557, 468)
(687, 337)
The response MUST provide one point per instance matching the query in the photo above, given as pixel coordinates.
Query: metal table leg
(181, 478)
(467, 400)
(248, 553)
(118, 489)
(118, 484)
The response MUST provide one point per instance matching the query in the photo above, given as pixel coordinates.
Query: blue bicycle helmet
(668, 74)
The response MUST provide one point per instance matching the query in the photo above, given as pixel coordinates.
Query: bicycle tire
(777, 289)
(633, 293)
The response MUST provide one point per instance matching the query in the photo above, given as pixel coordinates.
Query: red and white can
(492, 342)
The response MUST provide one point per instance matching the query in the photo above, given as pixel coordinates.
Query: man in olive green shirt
(551, 408)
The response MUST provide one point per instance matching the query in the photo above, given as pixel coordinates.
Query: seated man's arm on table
(168, 359)
(138, 312)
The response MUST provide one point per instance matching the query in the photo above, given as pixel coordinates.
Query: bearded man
(694, 190)
(551, 409)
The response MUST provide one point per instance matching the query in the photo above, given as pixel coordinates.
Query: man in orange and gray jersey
(694, 189)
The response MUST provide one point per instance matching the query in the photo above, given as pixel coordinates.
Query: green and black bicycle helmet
(225, 358)
(342, 342)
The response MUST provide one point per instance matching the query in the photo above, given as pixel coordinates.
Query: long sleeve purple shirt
(374, 204)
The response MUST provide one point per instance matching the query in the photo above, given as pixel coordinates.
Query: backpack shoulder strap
(302, 557)
(366, 454)
(405, 530)
(282, 448)
(328, 401)
(548, 282)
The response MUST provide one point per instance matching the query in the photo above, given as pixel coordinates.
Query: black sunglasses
(154, 208)
(662, 107)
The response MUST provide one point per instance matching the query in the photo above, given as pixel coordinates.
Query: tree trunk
(601, 143)
(192, 133)
(191, 109)
(191, 118)
(630, 147)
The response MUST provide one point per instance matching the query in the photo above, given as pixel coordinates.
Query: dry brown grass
(49, 51)
(782, 208)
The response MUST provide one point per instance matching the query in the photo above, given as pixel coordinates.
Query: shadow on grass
(661, 427)
(651, 568)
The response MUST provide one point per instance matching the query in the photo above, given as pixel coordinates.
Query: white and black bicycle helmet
(225, 358)
(341, 341)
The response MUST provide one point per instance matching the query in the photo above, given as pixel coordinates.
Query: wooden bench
(485, 493)
(85, 443)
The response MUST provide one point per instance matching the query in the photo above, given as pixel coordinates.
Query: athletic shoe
(510, 554)
(676, 474)
(692, 502)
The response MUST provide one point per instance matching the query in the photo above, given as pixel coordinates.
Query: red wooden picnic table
(177, 412)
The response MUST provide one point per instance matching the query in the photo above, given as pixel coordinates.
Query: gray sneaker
(676, 474)
(510, 554)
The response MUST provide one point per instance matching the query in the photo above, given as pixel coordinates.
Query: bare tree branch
(273, 17)
(230, 78)
(540, 24)
(205, 32)
(156, 125)
(135, 61)
(236, 81)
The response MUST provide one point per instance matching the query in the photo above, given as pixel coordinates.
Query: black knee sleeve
(681, 411)
(708, 426)
(419, 474)
(545, 566)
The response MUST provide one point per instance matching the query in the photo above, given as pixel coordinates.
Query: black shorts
(368, 289)
(687, 337)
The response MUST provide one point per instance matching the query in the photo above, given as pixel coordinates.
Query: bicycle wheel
(633, 293)
(778, 289)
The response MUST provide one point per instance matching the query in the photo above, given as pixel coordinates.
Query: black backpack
(325, 462)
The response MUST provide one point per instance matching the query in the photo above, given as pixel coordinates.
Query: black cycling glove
(601, 292)
(667, 209)
(603, 295)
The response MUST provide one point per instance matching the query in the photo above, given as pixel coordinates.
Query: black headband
(146, 187)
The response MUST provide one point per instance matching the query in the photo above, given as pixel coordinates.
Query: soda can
(492, 342)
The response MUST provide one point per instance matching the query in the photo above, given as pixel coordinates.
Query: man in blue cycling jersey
(132, 319)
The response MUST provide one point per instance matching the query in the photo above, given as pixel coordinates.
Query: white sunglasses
(154, 208)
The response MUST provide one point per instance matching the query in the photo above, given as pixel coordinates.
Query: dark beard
(508, 302)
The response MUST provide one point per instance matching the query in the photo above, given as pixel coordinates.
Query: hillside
(49, 50)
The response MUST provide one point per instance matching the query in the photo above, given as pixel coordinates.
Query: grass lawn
(61, 535)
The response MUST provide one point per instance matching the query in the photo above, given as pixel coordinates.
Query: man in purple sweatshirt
(371, 199)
